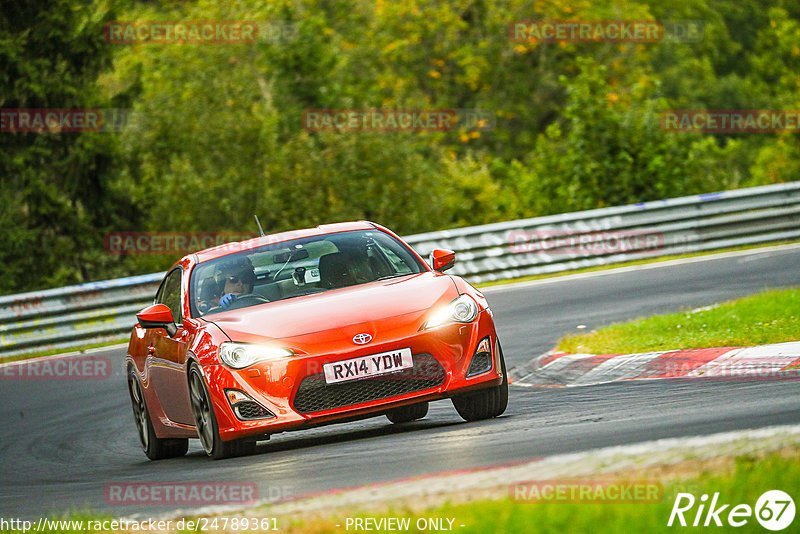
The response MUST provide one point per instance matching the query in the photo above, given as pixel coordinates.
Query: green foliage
(609, 150)
(57, 190)
(219, 136)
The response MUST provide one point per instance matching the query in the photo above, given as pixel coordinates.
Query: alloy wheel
(201, 408)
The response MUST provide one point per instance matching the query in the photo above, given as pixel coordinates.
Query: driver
(236, 277)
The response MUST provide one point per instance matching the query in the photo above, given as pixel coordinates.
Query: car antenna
(259, 226)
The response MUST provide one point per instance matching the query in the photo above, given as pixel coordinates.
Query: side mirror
(442, 259)
(157, 316)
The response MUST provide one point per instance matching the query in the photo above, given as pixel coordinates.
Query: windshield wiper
(387, 277)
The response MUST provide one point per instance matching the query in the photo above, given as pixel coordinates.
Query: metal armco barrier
(554, 243)
(73, 316)
(77, 315)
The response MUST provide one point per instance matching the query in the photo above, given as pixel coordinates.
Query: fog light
(482, 359)
(234, 396)
(245, 407)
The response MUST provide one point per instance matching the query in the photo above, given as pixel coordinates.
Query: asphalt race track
(63, 441)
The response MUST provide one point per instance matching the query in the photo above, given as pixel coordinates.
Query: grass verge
(770, 317)
(749, 480)
(737, 480)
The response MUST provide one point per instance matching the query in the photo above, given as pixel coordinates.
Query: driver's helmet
(239, 267)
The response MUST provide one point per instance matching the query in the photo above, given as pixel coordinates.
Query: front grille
(247, 410)
(314, 395)
(480, 363)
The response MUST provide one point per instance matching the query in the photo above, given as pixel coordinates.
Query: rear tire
(485, 403)
(205, 421)
(406, 414)
(154, 448)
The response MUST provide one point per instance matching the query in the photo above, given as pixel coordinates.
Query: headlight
(461, 310)
(241, 355)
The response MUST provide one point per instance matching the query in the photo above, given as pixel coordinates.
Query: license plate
(366, 366)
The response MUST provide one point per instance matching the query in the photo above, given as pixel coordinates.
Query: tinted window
(170, 294)
(300, 267)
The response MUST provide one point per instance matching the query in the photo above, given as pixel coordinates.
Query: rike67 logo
(774, 510)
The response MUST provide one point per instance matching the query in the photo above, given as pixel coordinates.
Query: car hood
(337, 308)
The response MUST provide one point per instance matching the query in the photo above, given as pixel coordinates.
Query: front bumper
(295, 392)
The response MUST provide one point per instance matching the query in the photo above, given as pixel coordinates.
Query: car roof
(229, 248)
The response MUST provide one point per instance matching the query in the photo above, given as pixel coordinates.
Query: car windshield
(298, 267)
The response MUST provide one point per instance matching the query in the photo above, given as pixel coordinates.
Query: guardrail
(87, 313)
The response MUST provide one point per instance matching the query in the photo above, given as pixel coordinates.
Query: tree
(56, 189)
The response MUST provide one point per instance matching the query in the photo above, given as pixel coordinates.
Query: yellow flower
(612, 97)
(434, 74)
(520, 49)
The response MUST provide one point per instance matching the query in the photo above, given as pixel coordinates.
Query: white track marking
(616, 459)
(648, 454)
(762, 360)
(618, 368)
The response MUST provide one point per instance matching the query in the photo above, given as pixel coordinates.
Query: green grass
(745, 486)
(648, 261)
(740, 480)
(747, 480)
(771, 317)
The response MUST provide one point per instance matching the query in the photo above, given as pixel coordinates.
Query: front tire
(206, 421)
(406, 414)
(485, 403)
(154, 448)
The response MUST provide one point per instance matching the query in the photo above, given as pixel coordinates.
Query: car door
(167, 355)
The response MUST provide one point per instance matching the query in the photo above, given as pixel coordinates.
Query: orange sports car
(288, 331)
